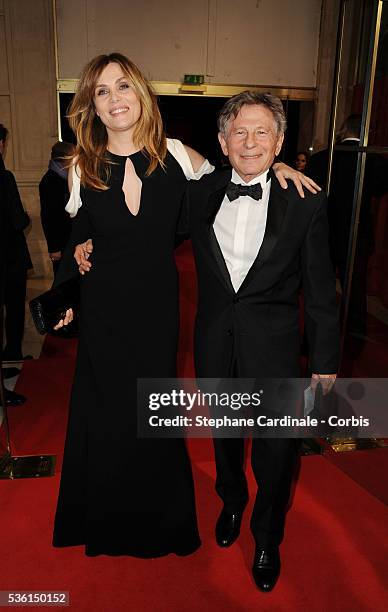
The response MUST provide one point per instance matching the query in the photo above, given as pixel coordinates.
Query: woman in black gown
(120, 494)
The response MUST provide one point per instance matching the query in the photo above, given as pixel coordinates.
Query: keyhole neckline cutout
(131, 187)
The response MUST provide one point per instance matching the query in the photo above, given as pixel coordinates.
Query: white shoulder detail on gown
(177, 149)
(75, 201)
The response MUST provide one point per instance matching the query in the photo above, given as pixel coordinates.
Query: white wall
(268, 42)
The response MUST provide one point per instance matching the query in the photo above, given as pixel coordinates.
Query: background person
(54, 195)
(17, 259)
(301, 160)
(340, 210)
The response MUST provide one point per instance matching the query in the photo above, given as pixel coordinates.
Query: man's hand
(326, 380)
(81, 255)
(55, 256)
(68, 319)
(283, 172)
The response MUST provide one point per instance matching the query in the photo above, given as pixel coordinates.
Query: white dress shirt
(239, 227)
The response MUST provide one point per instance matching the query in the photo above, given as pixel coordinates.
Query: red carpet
(366, 468)
(335, 553)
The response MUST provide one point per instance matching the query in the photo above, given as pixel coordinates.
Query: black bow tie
(234, 191)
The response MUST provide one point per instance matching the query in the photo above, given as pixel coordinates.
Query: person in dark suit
(17, 259)
(54, 194)
(340, 209)
(255, 244)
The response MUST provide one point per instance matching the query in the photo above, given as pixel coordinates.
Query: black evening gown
(120, 494)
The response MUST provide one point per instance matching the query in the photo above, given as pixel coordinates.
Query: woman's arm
(81, 230)
(197, 160)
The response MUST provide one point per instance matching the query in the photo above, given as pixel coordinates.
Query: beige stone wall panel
(28, 106)
(166, 38)
(71, 18)
(5, 119)
(254, 42)
(267, 42)
(4, 85)
(32, 80)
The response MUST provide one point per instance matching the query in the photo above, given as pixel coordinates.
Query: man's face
(2, 147)
(252, 141)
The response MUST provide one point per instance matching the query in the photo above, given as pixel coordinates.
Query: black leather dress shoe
(228, 528)
(13, 399)
(266, 568)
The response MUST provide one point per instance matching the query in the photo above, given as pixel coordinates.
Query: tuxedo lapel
(218, 256)
(277, 207)
(213, 206)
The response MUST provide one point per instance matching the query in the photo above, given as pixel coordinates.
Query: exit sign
(194, 79)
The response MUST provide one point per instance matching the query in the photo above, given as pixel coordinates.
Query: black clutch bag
(50, 307)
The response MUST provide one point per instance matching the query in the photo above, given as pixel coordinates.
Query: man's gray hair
(233, 106)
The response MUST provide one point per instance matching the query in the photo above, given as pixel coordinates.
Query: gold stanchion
(11, 467)
(5, 451)
(343, 445)
(29, 466)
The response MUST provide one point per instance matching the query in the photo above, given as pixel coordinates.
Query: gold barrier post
(13, 467)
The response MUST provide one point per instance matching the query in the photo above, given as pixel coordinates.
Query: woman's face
(115, 100)
(300, 162)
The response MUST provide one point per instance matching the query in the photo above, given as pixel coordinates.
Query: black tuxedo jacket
(13, 220)
(257, 329)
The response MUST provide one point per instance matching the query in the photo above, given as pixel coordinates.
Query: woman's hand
(81, 255)
(300, 180)
(68, 319)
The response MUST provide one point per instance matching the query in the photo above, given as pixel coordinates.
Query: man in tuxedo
(255, 244)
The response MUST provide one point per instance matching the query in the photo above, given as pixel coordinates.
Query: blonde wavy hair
(91, 150)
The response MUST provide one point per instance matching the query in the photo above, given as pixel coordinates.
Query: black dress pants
(274, 462)
(14, 302)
